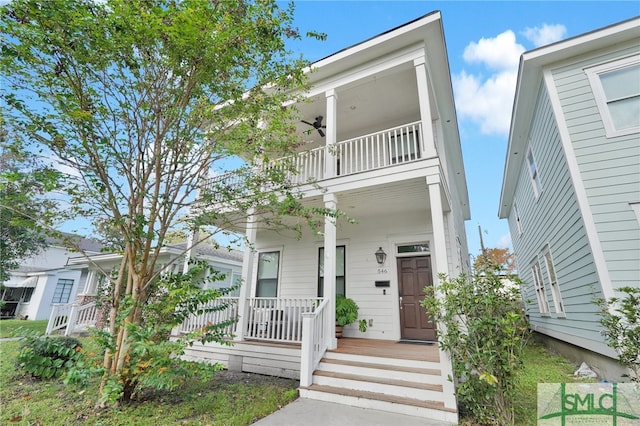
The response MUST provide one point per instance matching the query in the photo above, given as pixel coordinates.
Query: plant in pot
(347, 313)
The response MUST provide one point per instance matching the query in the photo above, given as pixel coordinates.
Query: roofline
(530, 70)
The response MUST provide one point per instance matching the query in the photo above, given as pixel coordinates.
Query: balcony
(386, 148)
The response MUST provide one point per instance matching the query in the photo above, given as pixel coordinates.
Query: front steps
(400, 386)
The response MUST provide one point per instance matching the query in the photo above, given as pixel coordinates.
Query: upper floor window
(268, 267)
(62, 292)
(533, 172)
(616, 88)
(516, 215)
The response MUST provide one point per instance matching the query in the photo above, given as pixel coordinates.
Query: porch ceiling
(379, 102)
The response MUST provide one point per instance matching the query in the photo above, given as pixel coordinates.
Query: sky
(484, 42)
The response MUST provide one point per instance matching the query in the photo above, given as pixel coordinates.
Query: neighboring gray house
(571, 188)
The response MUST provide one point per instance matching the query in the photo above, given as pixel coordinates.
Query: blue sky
(484, 42)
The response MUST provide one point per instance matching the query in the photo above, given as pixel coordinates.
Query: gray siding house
(571, 186)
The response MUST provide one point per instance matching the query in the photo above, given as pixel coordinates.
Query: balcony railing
(389, 147)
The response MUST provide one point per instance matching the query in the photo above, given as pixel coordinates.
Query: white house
(43, 280)
(571, 188)
(82, 312)
(390, 157)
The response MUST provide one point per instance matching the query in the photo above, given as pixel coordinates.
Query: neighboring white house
(571, 188)
(81, 312)
(390, 157)
(43, 280)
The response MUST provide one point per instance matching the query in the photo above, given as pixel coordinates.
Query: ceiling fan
(316, 125)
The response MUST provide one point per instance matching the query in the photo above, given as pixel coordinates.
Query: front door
(414, 274)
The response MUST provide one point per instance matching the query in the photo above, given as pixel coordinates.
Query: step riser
(426, 413)
(406, 392)
(379, 373)
(376, 360)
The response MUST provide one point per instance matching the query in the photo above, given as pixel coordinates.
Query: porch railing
(397, 145)
(314, 344)
(216, 313)
(72, 318)
(278, 319)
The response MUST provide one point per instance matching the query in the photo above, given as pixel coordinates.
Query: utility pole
(481, 240)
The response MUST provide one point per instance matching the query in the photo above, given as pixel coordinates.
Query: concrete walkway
(309, 412)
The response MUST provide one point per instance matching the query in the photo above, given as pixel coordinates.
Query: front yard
(227, 399)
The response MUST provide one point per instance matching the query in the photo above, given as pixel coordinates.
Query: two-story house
(571, 188)
(381, 144)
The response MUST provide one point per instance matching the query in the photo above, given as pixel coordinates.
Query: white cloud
(504, 241)
(546, 34)
(499, 53)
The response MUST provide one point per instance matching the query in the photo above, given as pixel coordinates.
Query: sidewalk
(309, 412)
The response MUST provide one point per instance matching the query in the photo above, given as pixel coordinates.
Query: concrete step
(427, 409)
(379, 385)
(383, 371)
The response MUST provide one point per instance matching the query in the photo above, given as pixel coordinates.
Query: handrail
(314, 342)
(278, 319)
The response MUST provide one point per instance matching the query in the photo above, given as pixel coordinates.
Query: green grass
(8, 327)
(222, 400)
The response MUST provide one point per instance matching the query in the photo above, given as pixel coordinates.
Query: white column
(330, 202)
(439, 250)
(246, 290)
(331, 133)
(428, 144)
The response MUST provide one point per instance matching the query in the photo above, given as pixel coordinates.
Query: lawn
(8, 327)
(227, 399)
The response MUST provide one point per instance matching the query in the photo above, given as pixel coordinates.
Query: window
(26, 294)
(616, 87)
(340, 271)
(268, 265)
(533, 172)
(543, 304)
(415, 248)
(404, 146)
(63, 291)
(553, 281)
(516, 214)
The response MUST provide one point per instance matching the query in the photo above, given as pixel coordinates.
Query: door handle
(400, 302)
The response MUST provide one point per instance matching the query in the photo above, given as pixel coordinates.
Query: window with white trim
(62, 292)
(553, 282)
(541, 294)
(516, 214)
(616, 88)
(26, 294)
(341, 286)
(268, 269)
(533, 173)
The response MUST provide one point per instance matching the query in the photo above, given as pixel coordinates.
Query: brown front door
(414, 274)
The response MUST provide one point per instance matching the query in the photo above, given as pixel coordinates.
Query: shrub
(46, 357)
(620, 318)
(486, 332)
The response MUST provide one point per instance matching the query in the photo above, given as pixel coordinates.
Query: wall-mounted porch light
(381, 256)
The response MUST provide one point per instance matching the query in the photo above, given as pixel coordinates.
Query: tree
(142, 99)
(496, 256)
(23, 211)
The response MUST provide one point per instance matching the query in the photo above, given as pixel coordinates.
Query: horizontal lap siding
(554, 218)
(609, 168)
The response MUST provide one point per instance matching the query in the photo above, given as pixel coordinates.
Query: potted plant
(347, 313)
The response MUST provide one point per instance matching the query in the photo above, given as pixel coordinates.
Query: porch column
(441, 267)
(428, 143)
(331, 134)
(246, 290)
(330, 202)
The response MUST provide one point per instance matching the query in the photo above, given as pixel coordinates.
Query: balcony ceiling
(379, 102)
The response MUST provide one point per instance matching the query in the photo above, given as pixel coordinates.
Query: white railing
(71, 318)
(223, 309)
(314, 343)
(309, 166)
(278, 319)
